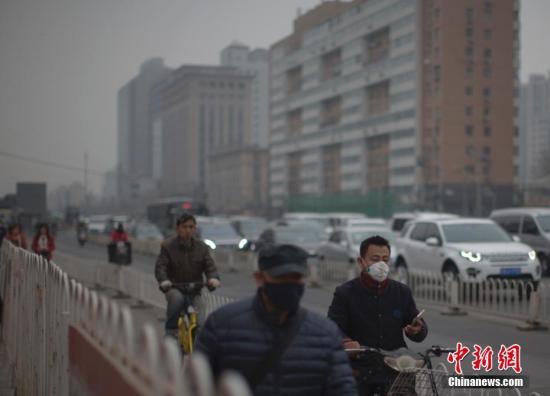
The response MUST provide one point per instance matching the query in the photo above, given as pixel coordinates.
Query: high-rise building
(201, 135)
(406, 99)
(534, 140)
(135, 158)
(256, 64)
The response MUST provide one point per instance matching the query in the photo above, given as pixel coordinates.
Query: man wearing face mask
(375, 311)
(279, 347)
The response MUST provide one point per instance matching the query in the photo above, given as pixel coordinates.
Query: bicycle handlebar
(192, 286)
(437, 350)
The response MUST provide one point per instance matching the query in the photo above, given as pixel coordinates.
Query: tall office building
(256, 64)
(397, 97)
(202, 134)
(135, 157)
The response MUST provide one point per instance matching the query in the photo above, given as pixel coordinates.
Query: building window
(377, 153)
(468, 110)
(294, 122)
(468, 91)
(469, 33)
(331, 64)
(487, 111)
(469, 14)
(487, 71)
(469, 52)
(377, 45)
(331, 168)
(378, 98)
(487, 130)
(469, 71)
(469, 130)
(487, 92)
(487, 53)
(331, 111)
(294, 80)
(488, 33)
(294, 173)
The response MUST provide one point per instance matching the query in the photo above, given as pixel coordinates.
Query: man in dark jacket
(372, 310)
(183, 259)
(249, 336)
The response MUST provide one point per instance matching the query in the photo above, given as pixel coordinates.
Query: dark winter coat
(238, 336)
(375, 318)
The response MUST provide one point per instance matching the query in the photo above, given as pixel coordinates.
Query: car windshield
(544, 222)
(215, 231)
(252, 228)
(474, 233)
(297, 235)
(359, 236)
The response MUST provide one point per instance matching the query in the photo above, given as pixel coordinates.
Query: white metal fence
(509, 298)
(43, 308)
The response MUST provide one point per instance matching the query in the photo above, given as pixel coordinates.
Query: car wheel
(402, 272)
(450, 272)
(544, 263)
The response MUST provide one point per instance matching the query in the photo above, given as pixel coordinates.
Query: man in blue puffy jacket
(279, 347)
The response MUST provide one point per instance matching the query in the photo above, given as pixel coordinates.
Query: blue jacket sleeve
(207, 342)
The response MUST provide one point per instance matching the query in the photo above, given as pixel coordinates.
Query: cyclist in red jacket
(43, 242)
(119, 235)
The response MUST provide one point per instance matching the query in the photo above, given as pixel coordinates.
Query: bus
(165, 212)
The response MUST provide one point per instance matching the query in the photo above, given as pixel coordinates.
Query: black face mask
(284, 296)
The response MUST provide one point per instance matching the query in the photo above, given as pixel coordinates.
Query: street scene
(304, 197)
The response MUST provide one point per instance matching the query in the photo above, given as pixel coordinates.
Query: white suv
(471, 249)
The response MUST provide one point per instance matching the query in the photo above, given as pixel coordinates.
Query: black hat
(279, 260)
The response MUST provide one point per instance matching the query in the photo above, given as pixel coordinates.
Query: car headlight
(472, 256)
(210, 244)
(533, 255)
(243, 243)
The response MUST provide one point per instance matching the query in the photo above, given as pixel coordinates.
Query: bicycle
(396, 373)
(188, 325)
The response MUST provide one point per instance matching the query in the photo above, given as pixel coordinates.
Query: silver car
(465, 248)
(343, 245)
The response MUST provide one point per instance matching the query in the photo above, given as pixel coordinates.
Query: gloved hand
(165, 285)
(214, 283)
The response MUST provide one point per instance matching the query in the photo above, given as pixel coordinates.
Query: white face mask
(378, 271)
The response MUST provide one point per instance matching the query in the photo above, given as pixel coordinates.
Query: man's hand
(350, 344)
(213, 282)
(414, 328)
(165, 285)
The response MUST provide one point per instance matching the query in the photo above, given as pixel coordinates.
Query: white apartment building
(343, 101)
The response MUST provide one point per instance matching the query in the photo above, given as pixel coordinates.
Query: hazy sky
(62, 62)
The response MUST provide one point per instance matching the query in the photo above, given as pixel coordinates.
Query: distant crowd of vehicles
(511, 243)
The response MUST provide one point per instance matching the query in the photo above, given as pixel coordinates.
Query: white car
(467, 248)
